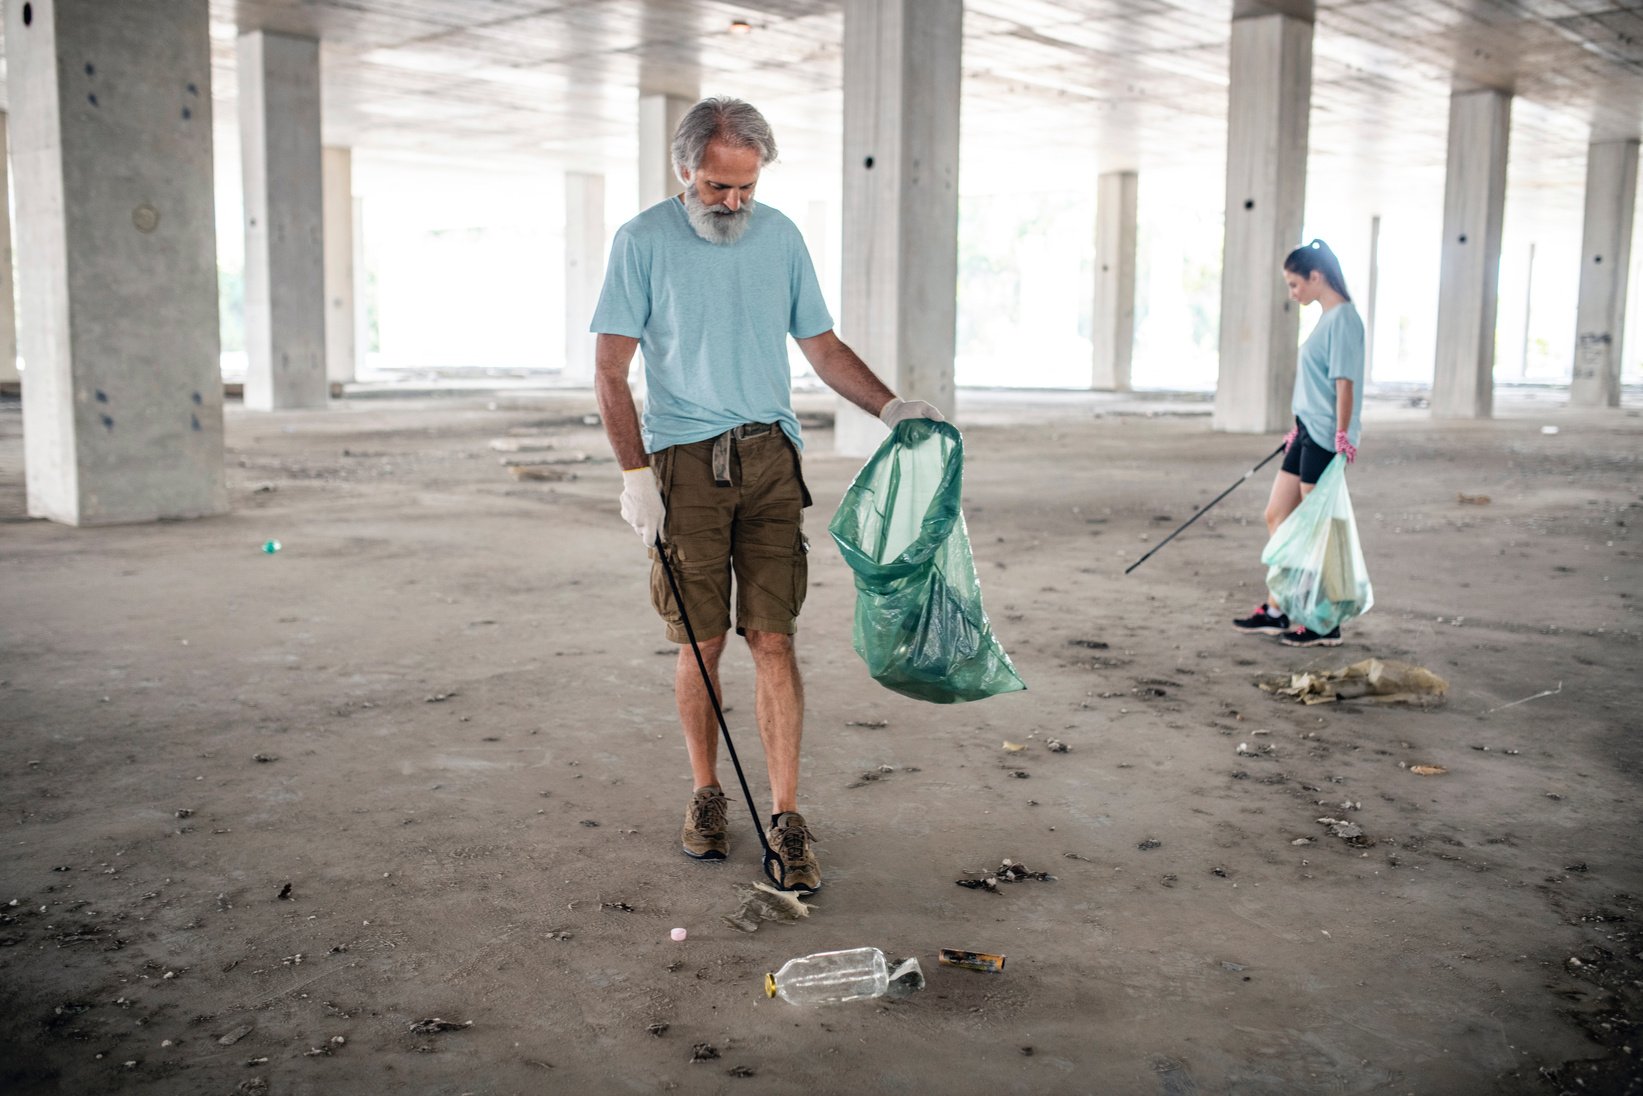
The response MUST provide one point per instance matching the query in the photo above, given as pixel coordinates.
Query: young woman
(1328, 399)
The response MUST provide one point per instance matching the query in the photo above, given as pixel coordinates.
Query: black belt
(722, 444)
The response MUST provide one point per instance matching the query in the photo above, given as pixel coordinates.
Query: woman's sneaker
(1306, 637)
(1262, 622)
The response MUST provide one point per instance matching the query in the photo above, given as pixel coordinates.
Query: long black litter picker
(772, 862)
(1206, 509)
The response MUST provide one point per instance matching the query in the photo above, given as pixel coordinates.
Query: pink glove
(1344, 447)
(1289, 438)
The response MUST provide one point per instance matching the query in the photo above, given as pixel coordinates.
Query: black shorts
(1306, 458)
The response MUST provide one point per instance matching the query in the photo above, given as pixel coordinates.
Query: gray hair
(732, 121)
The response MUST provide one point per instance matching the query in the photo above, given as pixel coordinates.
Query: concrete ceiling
(1051, 87)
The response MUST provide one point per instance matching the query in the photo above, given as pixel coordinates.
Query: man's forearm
(616, 407)
(841, 370)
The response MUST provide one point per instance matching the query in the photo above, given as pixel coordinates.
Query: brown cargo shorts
(752, 529)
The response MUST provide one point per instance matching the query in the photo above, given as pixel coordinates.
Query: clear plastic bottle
(832, 977)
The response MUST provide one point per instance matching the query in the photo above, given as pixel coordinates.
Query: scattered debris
(740, 1071)
(326, 1050)
(1149, 844)
(1169, 880)
(870, 724)
(1350, 832)
(435, 1025)
(1055, 745)
(971, 960)
(185, 812)
(236, 1035)
(1428, 770)
(541, 473)
(657, 1029)
(762, 902)
(1088, 644)
(263, 759)
(703, 1052)
(1374, 680)
(590, 823)
(1020, 774)
(439, 697)
(1008, 872)
(624, 907)
(1525, 700)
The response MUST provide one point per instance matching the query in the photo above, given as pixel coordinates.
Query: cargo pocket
(801, 571)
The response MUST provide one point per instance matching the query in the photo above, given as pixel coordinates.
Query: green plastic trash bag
(1315, 569)
(919, 623)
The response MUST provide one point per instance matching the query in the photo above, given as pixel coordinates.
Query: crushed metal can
(972, 960)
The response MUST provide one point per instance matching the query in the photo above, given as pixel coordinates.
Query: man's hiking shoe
(704, 836)
(1263, 622)
(1306, 637)
(791, 840)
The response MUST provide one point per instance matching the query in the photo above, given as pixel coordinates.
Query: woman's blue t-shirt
(1334, 351)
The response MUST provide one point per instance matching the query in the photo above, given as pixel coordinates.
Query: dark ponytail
(1317, 256)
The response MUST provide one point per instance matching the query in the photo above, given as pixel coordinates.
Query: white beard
(713, 223)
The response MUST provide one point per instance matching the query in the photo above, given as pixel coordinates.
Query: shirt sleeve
(1346, 350)
(624, 302)
(809, 315)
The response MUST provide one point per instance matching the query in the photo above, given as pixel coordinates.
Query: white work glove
(898, 409)
(642, 505)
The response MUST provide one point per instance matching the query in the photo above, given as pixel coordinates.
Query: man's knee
(711, 649)
(769, 644)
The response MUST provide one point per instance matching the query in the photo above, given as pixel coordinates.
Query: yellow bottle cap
(769, 985)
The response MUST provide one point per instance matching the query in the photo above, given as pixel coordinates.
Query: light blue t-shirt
(712, 320)
(1334, 351)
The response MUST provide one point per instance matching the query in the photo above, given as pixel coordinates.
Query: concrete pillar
(1528, 311)
(284, 222)
(338, 174)
(1605, 261)
(1372, 298)
(584, 269)
(900, 262)
(1112, 327)
(1474, 206)
(1268, 109)
(8, 300)
(362, 305)
(659, 116)
(111, 145)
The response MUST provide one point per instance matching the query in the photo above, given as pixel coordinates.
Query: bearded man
(709, 285)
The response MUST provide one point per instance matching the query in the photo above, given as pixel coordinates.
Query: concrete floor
(442, 715)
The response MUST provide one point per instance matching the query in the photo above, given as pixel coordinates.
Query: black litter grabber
(773, 867)
(1207, 508)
